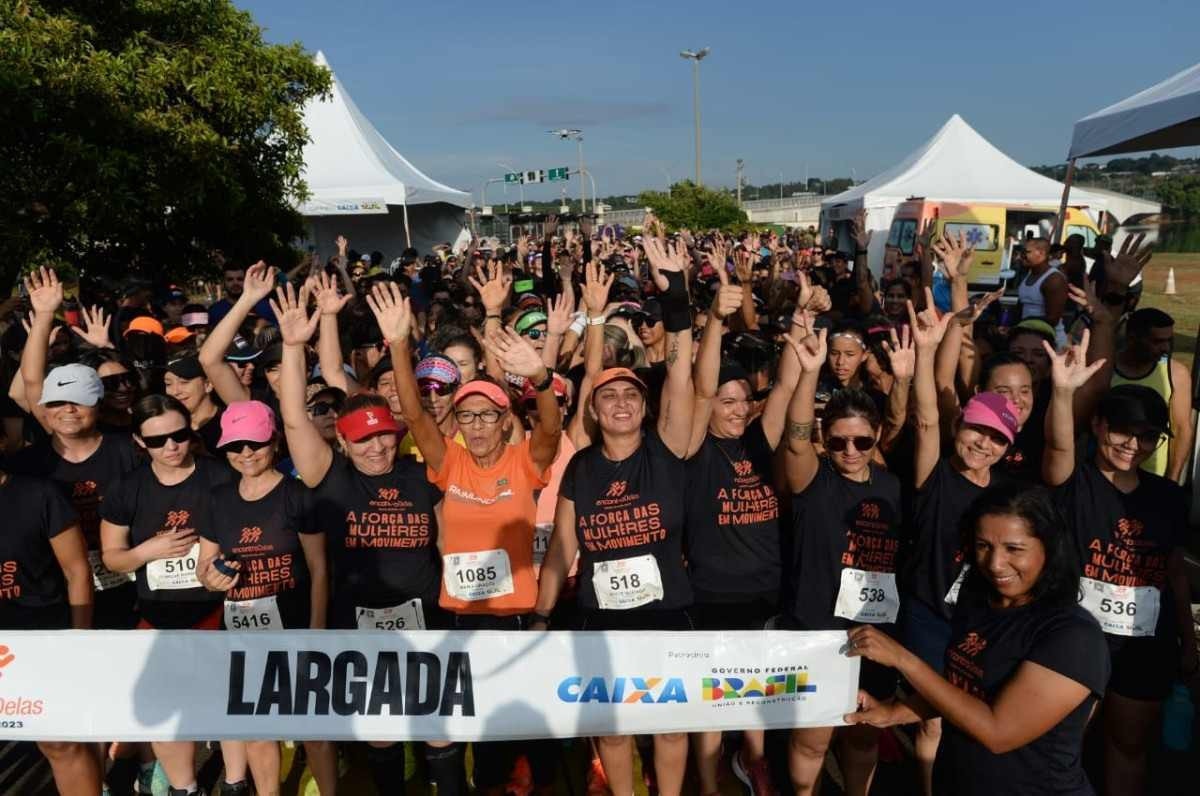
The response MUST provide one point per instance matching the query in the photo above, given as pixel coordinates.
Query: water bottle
(1177, 716)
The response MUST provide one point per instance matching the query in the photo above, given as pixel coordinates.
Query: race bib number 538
(868, 597)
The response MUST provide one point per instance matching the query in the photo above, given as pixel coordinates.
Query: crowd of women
(627, 433)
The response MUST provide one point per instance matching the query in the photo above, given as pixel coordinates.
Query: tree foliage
(139, 136)
(694, 206)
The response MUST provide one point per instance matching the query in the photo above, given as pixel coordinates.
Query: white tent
(360, 186)
(956, 165)
(1161, 117)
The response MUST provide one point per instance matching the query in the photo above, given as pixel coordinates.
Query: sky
(824, 89)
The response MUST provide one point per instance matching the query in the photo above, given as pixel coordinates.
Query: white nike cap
(74, 383)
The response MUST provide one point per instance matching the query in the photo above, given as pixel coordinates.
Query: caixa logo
(651, 690)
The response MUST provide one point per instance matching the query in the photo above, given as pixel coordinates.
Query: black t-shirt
(147, 507)
(987, 646)
(35, 511)
(84, 483)
(937, 555)
(838, 524)
(210, 435)
(1126, 539)
(732, 519)
(840, 293)
(264, 536)
(381, 532)
(1023, 459)
(628, 509)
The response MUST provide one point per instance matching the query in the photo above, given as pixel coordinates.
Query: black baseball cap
(241, 350)
(1134, 406)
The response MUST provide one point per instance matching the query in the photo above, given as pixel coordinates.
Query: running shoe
(237, 789)
(756, 778)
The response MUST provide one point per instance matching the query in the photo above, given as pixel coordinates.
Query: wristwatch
(534, 616)
(545, 383)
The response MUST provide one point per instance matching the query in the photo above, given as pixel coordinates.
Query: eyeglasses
(1147, 440)
(180, 436)
(237, 446)
(839, 444)
(117, 381)
(488, 417)
(321, 408)
(534, 334)
(436, 387)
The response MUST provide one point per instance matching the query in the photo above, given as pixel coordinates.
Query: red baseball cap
(362, 423)
(490, 390)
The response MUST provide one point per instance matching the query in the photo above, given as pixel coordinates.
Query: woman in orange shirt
(488, 512)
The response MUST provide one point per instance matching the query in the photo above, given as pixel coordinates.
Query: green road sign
(513, 177)
(554, 175)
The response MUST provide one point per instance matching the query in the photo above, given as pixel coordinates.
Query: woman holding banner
(621, 510)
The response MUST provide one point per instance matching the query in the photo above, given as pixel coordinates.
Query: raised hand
(728, 299)
(664, 259)
(558, 315)
(956, 256)
(1089, 302)
(927, 328)
(492, 286)
(393, 312)
(596, 284)
(550, 226)
(45, 291)
(1069, 370)
(926, 238)
(523, 248)
(810, 351)
(859, 231)
(95, 331)
(1129, 262)
(515, 354)
(342, 245)
(291, 313)
(718, 258)
(902, 355)
(260, 282)
(325, 290)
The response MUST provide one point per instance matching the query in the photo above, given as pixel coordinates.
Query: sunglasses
(437, 388)
(839, 444)
(158, 440)
(118, 380)
(534, 334)
(237, 446)
(321, 408)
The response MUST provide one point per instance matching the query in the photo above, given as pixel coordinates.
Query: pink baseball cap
(246, 421)
(994, 411)
(490, 390)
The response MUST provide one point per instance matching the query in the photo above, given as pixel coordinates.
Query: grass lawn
(1184, 306)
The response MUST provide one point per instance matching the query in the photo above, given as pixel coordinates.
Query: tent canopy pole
(407, 234)
(1062, 207)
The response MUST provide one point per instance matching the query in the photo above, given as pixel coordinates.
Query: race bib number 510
(174, 573)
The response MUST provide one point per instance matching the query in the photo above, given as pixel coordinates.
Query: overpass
(791, 211)
(1125, 208)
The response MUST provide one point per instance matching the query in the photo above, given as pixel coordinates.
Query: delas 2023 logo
(660, 690)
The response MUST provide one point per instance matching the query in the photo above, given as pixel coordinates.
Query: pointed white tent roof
(348, 163)
(1163, 116)
(958, 165)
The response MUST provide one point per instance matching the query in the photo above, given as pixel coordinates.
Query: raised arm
(329, 341)
(1181, 421)
(800, 460)
(341, 265)
(518, 357)
(678, 399)
(864, 297)
(596, 286)
(559, 312)
(310, 453)
(393, 313)
(259, 284)
(45, 297)
(708, 361)
(493, 286)
(902, 356)
(787, 375)
(1068, 372)
(928, 331)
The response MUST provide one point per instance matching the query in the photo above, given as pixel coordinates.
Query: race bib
(174, 573)
(627, 582)
(104, 578)
(405, 616)
(541, 541)
(869, 597)
(478, 576)
(1121, 610)
(260, 614)
(952, 594)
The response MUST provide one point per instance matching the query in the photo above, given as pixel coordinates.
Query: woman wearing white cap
(266, 554)
(621, 510)
(385, 572)
(488, 516)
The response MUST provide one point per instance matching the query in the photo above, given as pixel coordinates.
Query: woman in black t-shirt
(845, 520)
(262, 532)
(46, 584)
(1129, 530)
(150, 521)
(621, 509)
(185, 381)
(1025, 665)
(379, 514)
(732, 532)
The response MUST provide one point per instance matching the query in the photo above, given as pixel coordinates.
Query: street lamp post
(572, 134)
(696, 58)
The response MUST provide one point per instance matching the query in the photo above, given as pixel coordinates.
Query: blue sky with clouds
(459, 87)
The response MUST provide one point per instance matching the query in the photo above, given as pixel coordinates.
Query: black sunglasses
(237, 446)
(839, 444)
(321, 408)
(158, 440)
(117, 380)
(534, 334)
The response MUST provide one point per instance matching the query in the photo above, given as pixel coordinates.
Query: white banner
(420, 685)
(344, 207)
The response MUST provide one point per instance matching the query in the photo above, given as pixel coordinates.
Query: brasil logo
(713, 689)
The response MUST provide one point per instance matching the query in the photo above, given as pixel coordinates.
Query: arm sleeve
(1073, 645)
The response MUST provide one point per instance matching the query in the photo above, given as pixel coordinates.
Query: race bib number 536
(1121, 610)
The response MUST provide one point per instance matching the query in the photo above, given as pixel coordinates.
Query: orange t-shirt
(488, 509)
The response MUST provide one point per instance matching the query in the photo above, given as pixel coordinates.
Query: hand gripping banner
(420, 685)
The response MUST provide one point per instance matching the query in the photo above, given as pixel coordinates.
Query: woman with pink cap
(265, 552)
(946, 484)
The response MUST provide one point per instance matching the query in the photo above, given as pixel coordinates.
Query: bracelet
(599, 320)
(492, 317)
(545, 383)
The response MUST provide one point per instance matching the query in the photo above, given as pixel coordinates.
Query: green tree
(694, 207)
(142, 136)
